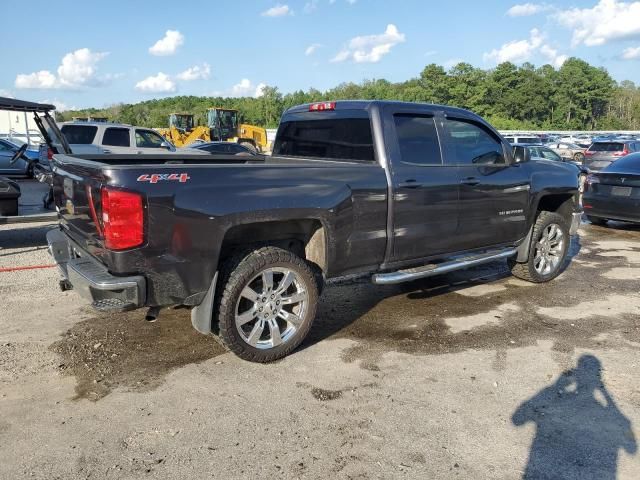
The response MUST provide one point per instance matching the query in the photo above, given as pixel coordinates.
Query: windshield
(228, 119)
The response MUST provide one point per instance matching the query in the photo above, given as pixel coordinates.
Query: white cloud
(519, 51)
(77, 70)
(607, 21)
(527, 9)
(278, 11)
(371, 48)
(160, 83)
(245, 88)
(516, 51)
(311, 49)
(631, 53)
(167, 45)
(197, 72)
(6, 93)
(551, 54)
(452, 62)
(59, 104)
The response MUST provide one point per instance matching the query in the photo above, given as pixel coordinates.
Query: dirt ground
(473, 375)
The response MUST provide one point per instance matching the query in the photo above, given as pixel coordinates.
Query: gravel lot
(472, 375)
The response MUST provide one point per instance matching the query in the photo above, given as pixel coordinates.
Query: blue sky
(100, 53)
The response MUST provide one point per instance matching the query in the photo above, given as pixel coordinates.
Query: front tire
(548, 249)
(267, 304)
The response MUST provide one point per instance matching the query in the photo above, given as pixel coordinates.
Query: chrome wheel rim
(271, 307)
(549, 250)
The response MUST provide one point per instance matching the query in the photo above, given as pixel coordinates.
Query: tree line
(576, 96)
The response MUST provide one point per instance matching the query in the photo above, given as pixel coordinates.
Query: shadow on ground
(124, 350)
(579, 428)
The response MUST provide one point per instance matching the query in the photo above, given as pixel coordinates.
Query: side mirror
(521, 154)
(166, 146)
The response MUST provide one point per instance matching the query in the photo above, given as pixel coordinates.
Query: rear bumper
(92, 280)
(614, 208)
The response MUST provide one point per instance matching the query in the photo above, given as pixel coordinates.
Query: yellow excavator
(222, 125)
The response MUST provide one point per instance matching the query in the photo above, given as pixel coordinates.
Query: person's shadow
(579, 428)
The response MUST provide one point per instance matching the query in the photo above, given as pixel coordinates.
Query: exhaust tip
(152, 314)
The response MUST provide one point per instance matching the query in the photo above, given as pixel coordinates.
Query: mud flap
(523, 249)
(202, 315)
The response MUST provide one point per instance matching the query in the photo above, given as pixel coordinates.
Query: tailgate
(76, 193)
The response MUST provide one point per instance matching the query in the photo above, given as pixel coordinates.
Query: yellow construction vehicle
(222, 125)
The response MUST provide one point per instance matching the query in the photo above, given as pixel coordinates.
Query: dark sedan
(225, 148)
(614, 192)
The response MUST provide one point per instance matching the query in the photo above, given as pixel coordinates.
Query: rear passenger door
(116, 140)
(425, 191)
(494, 193)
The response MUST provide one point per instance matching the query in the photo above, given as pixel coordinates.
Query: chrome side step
(440, 268)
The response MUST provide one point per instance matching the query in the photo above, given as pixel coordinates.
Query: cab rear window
(330, 138)
(79, 134)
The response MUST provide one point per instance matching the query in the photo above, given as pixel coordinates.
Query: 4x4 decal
(158, 177)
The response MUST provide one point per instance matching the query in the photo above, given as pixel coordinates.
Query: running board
(440, 268)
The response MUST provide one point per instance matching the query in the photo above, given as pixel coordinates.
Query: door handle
(411, 183)
(471, 181)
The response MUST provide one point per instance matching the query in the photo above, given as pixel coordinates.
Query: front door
(494, 192)
(425, 191)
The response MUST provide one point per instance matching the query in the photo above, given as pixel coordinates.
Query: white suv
(116, 138)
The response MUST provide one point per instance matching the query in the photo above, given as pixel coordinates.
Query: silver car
(602, 154)
(571, 151)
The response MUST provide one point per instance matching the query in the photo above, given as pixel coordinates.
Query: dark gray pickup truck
(397, 191)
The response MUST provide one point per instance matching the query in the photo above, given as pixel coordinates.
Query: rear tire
(579, 157)
(601, 222)
(267, 304)
(249, 146)
(547, 252)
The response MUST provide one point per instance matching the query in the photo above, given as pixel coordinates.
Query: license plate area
(621, 191)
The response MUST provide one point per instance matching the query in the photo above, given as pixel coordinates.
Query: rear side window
(332, 138)
(417, 139)
(606, 147)
(472, 144)
(116, 137)
(80, 134)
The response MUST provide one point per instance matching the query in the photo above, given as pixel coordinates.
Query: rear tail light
(591, 179)
(587, 153)
(122, 219)
(622, 153)
(322, 106)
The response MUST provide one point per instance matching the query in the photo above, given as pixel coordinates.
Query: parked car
(21, 167)
(614, 192)
(227, 148)
(397, 191)
(523, 140)
(568, 150)
(115, 138)
(602, 154)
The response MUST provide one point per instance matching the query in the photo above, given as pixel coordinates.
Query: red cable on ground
(29, 267)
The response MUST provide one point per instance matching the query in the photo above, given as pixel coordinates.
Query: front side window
(550, 155)
(472, 144)
(417, 139)
(332, 138)
(79, 134)
(148, 139)
(116, 137)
